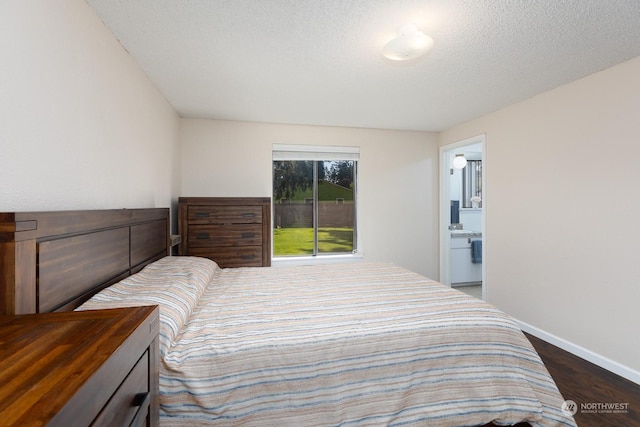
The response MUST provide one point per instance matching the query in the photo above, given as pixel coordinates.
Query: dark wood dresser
(86, 368)
(232, 231)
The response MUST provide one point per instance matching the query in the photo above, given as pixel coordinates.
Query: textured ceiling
(318, 62)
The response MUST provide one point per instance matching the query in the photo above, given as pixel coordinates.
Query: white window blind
(314, 152)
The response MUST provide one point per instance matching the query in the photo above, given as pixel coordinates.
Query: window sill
(312, 260)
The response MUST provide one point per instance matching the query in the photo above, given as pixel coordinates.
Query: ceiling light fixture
(410, 43)
(459, 162)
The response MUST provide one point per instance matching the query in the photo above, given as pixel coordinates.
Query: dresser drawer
(234, 256)
(204, 236)
(209, 214)
(129, 400)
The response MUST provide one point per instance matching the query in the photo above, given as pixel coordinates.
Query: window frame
(294, 152)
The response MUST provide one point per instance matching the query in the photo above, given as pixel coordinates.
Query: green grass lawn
(299, 241)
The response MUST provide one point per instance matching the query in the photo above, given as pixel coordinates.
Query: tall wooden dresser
(232, 231)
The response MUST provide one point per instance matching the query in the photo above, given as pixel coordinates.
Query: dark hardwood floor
(593, 389)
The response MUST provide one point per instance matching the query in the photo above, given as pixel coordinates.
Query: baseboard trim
(603, 362)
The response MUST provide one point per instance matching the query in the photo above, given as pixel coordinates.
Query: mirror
(471, 195)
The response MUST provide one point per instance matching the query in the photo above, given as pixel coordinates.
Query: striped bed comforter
(358, 344)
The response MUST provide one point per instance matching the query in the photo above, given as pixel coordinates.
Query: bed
(348, 344)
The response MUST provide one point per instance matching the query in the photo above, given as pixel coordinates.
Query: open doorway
(462, 216)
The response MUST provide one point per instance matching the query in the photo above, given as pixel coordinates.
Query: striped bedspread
(363, 344)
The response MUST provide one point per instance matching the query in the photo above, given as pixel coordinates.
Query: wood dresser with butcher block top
(84, 368)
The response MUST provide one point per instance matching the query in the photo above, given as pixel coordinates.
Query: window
(314, 193)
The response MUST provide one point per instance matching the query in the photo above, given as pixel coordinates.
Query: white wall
(81, 126)
(398, 179)
(562, 198)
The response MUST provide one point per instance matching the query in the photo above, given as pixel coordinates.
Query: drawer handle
(248, 215)
(202, 236)
(248, 235)
(202, 214)
(141, 399)
(247, 257)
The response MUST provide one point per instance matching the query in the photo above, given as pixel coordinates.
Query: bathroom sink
(463, 232)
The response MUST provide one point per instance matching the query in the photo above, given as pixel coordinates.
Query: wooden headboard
(55, 261)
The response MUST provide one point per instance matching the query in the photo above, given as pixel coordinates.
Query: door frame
(445, 207)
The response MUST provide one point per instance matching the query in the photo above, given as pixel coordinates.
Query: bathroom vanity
(463, 270)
